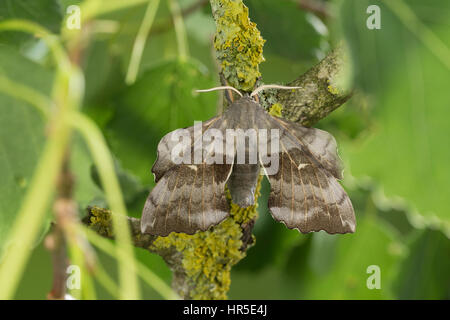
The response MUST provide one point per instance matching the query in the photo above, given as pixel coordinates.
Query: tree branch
(55, 241)
(319, 95)
(100, 220)
(238, 44)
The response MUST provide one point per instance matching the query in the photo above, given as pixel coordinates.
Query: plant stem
(33, 209)
(103, 160)
(32, 212)
(421, 31)
(94, 8)
(147, 275)
(63, 210)
(139, 43)
(29, 95)
(180, 31)
(67, 94)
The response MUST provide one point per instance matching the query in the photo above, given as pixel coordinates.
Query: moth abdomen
(242, 184)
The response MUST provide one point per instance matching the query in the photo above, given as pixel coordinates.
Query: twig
(318, 7)
(139, 43)
(168, 24)
(319, 94)
(100, 220)
(56, 241)
(180, 30)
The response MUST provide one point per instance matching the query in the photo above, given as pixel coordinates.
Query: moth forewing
(319, 143)
(187, 197)
(268, 150)
(305, 194)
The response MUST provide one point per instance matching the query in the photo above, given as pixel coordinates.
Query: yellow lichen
(100, 220)
(238, 44)
(208, 256)
(275, 110)
(333, 90)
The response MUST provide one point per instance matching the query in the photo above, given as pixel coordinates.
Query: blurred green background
(393, 136)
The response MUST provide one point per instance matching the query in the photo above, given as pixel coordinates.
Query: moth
(304, 190)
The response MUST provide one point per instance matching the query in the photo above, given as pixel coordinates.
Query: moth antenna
(270, 86)
(220, 88)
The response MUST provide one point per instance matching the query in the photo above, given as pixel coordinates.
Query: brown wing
(305, 193)
(164, 161)
(187, 197)
(320, 144)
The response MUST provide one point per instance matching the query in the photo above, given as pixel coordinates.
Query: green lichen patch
(332, 88)
(276, 109)
(99, 219)
(238, 44)
(208, 256)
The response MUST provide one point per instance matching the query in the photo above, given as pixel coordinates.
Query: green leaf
(86, 190)
(424, 274)
(324, 266)
(293, 44)
(102, 73)
(268, 284)
(200, 24)
(134, 193)
(22, 134)
(347, 277)
(407, 79)
(35, 284)
(44, 12)
(292, 36)
(162, 100)
(157, 265)
(335, 266)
